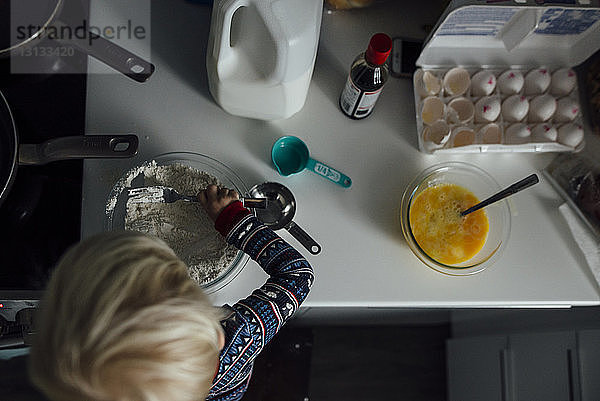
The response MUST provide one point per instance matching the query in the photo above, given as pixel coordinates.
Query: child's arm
(291, 276)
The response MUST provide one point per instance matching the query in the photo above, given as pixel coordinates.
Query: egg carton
(474, 109)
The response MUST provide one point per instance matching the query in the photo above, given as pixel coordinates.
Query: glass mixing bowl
(116, 206)
(482, 185)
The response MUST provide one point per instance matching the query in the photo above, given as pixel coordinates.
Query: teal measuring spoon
(290, 156)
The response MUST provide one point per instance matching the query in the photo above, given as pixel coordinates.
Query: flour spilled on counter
(183, 225)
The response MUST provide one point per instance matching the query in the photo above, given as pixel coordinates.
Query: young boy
(122, 321)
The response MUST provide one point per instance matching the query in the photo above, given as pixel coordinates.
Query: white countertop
(365, 261)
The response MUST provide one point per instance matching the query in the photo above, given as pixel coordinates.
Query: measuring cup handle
(303, 237)
(327, 172)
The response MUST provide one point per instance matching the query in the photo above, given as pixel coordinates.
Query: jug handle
(275, 27)
(225, 16)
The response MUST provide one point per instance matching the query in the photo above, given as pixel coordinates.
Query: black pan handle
(79, 147)
(303, 237)
(111, 54)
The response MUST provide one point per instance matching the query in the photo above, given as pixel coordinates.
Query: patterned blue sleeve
(253, 321)
(291, 276)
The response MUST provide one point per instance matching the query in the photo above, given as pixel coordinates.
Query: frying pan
(24, 22)
(63, 148)
(280, 212)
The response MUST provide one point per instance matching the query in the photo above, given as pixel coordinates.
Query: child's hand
(215, 199)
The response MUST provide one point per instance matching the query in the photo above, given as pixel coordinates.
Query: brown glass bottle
(368, 73)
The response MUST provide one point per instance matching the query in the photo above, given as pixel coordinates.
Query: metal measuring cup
(280, 211)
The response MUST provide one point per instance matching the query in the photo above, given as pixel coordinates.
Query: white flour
(183, 225)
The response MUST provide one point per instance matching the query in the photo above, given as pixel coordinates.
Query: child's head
(121, 320)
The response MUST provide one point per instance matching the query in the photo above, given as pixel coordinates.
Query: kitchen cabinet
(477, 369)
(561, 366)
(589, 362)
(544, 366)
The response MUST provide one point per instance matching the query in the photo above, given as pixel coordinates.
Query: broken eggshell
(490, 134)
(460, 110)
(510, 82)
(463, 136)
(456, 81)
(544, 133)
(570, 134)
(427, 83)
(537, 81)
(517, 134)
(542, 108)
(487, 109)
(483, 83)
(432, 110)
(515, 108)
(567, 109)
(563, 81)
(436, 134)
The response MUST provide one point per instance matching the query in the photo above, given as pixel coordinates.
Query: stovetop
(40, 218)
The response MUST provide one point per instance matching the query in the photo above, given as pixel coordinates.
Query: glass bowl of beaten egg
(436, 232)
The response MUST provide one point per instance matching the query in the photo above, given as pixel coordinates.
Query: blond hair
(122, 321)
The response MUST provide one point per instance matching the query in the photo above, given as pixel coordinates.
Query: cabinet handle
(573, 373)
(504, 375)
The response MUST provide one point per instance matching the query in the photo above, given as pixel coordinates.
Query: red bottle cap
(379, 49)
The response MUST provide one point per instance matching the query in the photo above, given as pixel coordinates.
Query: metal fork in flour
(162, 194)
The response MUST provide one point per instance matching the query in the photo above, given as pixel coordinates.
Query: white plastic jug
(261, 55)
